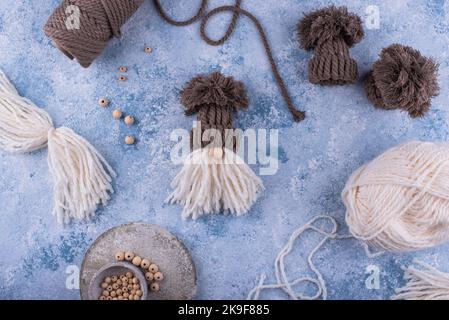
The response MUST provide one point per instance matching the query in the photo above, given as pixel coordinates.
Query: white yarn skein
(400, 200)
(82, 177)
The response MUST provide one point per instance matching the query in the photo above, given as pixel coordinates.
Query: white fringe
(23, 126)
(82, 177)
(206, 185)
(426, 283)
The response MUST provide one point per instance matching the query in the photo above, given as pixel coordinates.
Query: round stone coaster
(149, 241)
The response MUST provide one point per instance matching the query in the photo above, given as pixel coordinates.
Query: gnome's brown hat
(214, 97)
(331, 32)
(403, 79)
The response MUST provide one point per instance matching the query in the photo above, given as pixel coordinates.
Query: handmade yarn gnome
(331, 32)
(403, 79)
(214, 178)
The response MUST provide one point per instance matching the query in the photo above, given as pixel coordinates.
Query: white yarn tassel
(209, 184)
(23, 126)
(426, 283)
(82, 177)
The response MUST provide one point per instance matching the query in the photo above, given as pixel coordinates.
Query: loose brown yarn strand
(297, 114)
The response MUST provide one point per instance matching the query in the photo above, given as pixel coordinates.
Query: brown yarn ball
(331, 32)
(403, 79)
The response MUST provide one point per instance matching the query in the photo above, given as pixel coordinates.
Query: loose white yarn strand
(282, 281)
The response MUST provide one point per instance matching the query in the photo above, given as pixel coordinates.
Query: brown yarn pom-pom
(215, 89)
(403, 79)
(329, 24)
(331, 32)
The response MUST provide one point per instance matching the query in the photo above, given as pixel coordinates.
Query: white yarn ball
(400, 200)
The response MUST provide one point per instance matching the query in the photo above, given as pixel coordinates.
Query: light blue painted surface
(341, 132)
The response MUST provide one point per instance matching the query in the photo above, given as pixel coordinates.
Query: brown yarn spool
(331, 32)
(99, 21)
(403, 79)
(215, 98)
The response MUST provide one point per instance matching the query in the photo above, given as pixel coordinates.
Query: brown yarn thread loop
(187, 22)
(237, 10)
(331, 32)
(100, 20)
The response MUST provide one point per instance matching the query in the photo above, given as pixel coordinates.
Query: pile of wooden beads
(121, 287)
(152, 273)
(118, 114)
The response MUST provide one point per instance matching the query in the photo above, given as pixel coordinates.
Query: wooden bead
(103, 102)
(137, 260)
(109, 298)
(136, 286)
(114, 279)
(145, 264)
(119, 282)
(120, 297)
(148, 49)
(113, 293)
(149, 276)
(129, 140)
(104, 285)
(139, 293)
(131, 297)
(153, 268)
(119, 291)
(120, 256)
(115, 286)
(109, 288)
(117, 114)
(115, 298)
(132, 292)
(126, 295)
(102, 298)
(129, 120)
(154, 286)
(130, 287)
(136, 297)
(122, 78)
(216, 153)
(158, 276)
(129, 275)
(125, 290)
(106, 293)
(135, 280)
(123, 69)
(129, 256)
(107, 280)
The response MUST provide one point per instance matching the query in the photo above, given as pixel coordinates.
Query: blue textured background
(341, 132)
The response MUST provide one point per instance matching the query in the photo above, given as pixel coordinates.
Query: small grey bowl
(116, 268)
